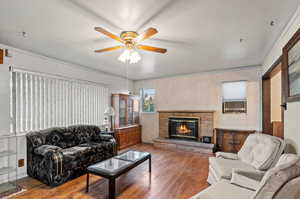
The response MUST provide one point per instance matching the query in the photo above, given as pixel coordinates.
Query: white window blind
(234, 91)
(40, 101)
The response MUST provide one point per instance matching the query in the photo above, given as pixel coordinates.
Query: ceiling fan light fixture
(130, 41)
(130, 56)
(135, 57)
(124, 56)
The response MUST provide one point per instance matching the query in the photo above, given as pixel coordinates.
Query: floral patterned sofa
(56, 155)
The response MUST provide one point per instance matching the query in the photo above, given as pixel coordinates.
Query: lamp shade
(109, 111)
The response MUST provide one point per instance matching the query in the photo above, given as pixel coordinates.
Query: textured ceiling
(200, 35)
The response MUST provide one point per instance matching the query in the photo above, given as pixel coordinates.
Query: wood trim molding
(266, 96)
(274, 69)
(266, 106)
(1, 56)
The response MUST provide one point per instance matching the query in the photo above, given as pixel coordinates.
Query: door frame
(266, 96)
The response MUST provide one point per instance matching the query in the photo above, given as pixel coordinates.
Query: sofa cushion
(260, 150)
(223, 167)
(95, 146)
(277, 177)
(246, 179)
(225, 155)
(42, 150)
(61, 137)
(75, 152)
(289, 190)
(223, 190)
(84, 133)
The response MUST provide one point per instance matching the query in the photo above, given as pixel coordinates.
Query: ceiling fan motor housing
(128, 37)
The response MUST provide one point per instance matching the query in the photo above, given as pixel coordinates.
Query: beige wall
(276, 97)
(291, 115)
(202, 91)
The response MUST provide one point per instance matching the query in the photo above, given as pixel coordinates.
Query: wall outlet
(21, 163)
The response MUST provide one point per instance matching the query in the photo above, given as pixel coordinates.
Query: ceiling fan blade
(108, 49)
(147, 34)
(105, 32)
(151, 48)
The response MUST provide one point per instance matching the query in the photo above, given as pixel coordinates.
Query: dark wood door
(275, 128)
(1, 56)
(266, 100)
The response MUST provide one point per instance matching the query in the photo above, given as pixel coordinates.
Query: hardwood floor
(175, 175)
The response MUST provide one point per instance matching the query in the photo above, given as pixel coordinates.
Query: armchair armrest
(45, 149)
(246, 178)
(231, 156)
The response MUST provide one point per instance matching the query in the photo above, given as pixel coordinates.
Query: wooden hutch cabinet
(126, 120)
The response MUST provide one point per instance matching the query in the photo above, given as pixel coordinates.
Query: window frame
(245, 101)
(142, 91)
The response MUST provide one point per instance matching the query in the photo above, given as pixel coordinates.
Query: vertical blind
(41, 101)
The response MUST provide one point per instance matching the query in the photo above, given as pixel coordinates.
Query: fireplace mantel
(185, 111)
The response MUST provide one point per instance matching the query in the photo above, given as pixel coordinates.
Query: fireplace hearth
(183, 128)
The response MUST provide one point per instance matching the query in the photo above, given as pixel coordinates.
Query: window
(41, 101)
(234, 97)
(148, 96)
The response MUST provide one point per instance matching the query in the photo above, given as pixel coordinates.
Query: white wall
(276, 97)
(37, 63)
(203, 91)
(291, 116)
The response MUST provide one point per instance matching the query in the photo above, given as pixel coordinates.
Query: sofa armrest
(231, 156)
(105, 137)
(246, 178)
(45, 149)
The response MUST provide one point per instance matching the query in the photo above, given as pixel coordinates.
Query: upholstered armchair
(259, 153)
(279, 182)
(56, 155)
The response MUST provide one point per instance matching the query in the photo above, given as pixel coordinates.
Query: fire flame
(183, 129)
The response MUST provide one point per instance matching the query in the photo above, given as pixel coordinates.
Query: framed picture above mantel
(291, 67)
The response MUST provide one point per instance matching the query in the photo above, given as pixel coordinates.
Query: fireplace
(183, 128)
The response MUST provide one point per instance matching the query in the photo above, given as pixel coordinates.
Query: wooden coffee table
(116, 166)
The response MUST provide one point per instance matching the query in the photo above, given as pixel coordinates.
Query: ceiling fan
(130, 41)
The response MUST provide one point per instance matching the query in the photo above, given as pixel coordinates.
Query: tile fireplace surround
(206, 121)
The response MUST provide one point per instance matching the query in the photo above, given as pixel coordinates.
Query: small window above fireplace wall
(147, 100)
(234, 97)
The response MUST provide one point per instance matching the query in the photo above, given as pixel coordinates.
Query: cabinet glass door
(136, 110)
(122, 111)
(130, 111)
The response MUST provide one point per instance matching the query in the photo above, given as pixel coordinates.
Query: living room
(157, 99)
